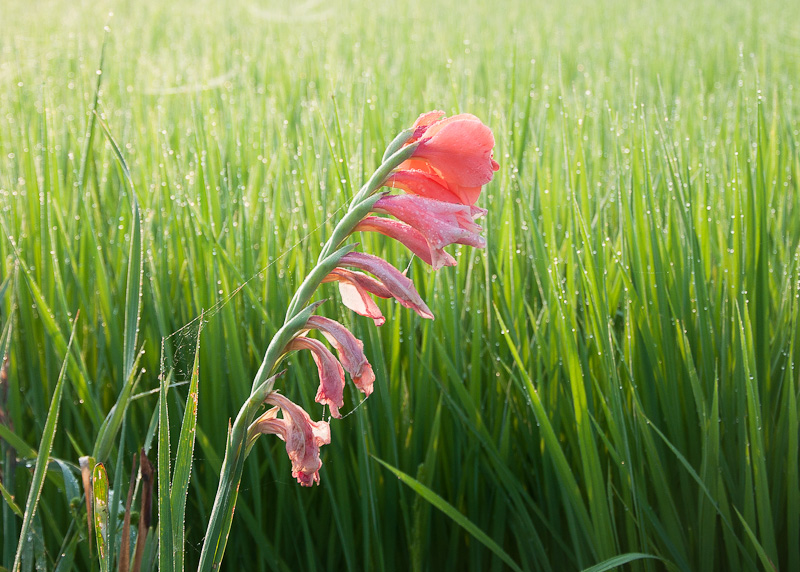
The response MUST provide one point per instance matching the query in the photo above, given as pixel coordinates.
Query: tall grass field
(612, 383)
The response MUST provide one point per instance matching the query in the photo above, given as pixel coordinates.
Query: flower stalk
(296, 317)
(441, 164)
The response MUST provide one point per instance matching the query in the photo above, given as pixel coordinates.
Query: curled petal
(331, 374)
(355, 289)
(303, 437)
(440, 223)
(405, 234)
(350, 350)
(401, 288)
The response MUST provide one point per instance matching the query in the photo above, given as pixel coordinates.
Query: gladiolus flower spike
(440, 165)
(448, 162)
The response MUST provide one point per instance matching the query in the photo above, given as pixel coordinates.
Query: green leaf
(762, 554)
(45, 446)
(618, 561)
(133, 306)
(67, 556)
(100, 492)
(453, 513)
(25, 451)
(9, 498)
(183, 459)
(133, 289)
(71, 487)
(165, 534)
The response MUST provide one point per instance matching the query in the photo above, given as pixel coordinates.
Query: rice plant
(610, 381)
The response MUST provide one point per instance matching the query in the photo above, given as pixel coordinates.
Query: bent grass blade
(453, 513)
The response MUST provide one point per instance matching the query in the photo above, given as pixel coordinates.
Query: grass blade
(453, 513)
(100, 492)
(42, 459)
(9, 498)
(133, 308)
(618, 561)
(183, 459)
(165, 534)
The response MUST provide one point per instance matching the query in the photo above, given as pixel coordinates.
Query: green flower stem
(397, 143)
(378, 177)
(296, 316)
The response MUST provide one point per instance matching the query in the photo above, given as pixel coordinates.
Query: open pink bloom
(303, 437)
(408, 236)
(440, 223)
(416, 176)
(458, 149)
(400, 287)
(331, 374)
(355, 289)
(350, 350)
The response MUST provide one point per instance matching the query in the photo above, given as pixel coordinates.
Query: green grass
(615, 374)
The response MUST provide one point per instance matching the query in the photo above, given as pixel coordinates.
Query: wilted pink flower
(405, 234)
(400, 287)
(457, 150)
(331, 374)
(355, 289)
(303, 437)
(350, 350)
(440, 223)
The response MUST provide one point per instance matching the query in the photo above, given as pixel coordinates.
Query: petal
(424, 184)
(440, 223)
(405, 234)
(428, 118)
(457, 193)
(422, 123)
(303, 437)
(401, 287)
(460, 148)
(355, 289)
(439, 125)
(331, 374)
(367, 283)
(359, 301)
(350, 350)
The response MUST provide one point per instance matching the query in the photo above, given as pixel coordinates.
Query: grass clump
(615, 374)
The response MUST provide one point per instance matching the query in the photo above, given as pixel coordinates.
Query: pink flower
(399, 287)
(303, 437)
(405, 234)
(355, 289)
(453, 158)
(440, 223)
(418, 178)
(350, 350)
(331, 374)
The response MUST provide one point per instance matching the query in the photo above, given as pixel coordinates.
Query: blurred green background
(613, 374)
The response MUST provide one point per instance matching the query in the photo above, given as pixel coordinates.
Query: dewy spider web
(178, 348)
